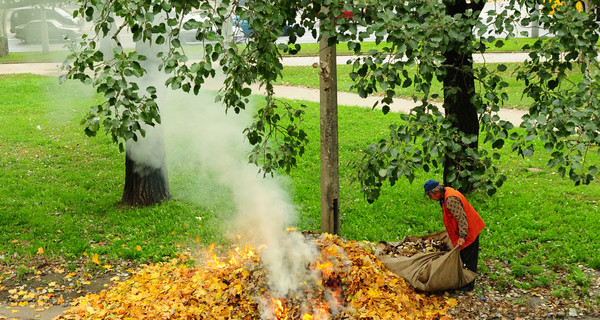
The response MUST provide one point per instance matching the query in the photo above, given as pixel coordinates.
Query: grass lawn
(307, 76)
(60, 193)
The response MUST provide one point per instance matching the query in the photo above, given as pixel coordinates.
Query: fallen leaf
(95, 259)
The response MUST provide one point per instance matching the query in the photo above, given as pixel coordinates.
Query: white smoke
(196, 128)
(264, 209)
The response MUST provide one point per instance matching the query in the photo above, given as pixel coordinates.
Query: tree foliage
(565, 115)
(439, 37)
(275, 133)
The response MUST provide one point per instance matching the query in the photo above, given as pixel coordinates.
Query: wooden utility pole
(330, 182)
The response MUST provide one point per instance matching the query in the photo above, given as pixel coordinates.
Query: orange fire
(212, 257)
(321, 312)
(280, 309)
(320, 309)
(235, 256)
(326, 268)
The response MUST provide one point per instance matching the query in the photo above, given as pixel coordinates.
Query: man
(462, 222)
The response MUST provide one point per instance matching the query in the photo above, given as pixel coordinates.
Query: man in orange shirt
(462, 222)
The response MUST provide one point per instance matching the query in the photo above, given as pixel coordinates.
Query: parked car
(19, 17)
(31, 31)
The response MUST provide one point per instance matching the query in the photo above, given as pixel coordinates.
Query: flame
(212, 257)
(280, 309)
(326, 268)
(321, 312)
(236, 255)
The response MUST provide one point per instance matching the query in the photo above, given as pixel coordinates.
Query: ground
(49, 288)
(46, 287)
(495, 299)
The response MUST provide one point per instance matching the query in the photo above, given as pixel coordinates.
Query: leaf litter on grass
(349, 283)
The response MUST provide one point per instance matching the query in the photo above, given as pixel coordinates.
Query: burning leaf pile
(350, 283)
(410, 248)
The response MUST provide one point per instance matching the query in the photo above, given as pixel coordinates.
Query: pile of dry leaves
(411, 248)
(353, 284)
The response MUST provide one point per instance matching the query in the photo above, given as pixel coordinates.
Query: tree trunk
(459, 89)
(144, 185)
(146, 179)
(3, 34)
(3, 46)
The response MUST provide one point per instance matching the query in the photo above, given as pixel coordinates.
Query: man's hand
(461, 241)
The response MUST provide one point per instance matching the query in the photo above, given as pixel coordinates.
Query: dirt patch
(44, 288)
(497, 299)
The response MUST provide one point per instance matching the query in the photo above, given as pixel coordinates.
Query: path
(310, 94)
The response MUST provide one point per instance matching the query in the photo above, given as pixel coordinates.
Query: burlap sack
(429, 272)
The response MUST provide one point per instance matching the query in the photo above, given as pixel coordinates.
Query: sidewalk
(309, 94)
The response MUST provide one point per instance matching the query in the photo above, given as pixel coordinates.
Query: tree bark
(144, 185)
(459, 89)
(330, 185)
(3, 34)
(3, 46)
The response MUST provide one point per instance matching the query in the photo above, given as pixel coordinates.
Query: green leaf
(498, 144)
(246, 92)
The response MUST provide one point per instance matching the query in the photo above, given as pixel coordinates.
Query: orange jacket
(475, 222)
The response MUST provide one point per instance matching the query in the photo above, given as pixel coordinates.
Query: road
(15, 45)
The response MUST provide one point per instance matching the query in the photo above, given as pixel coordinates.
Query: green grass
(307, 76)
(22, 57)
(60, 191)
(512, 45)
(307, 49)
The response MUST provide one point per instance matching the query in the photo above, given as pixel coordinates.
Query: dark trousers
(470, 255)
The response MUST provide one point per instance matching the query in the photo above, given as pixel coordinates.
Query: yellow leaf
(60, 300)
(40, 250)
(95, 259)
(373, 293)
(451, 302)
(138, 248)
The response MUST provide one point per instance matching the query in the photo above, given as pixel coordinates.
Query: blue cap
(430, 185)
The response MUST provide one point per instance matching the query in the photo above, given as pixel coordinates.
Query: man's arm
(456, 208)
